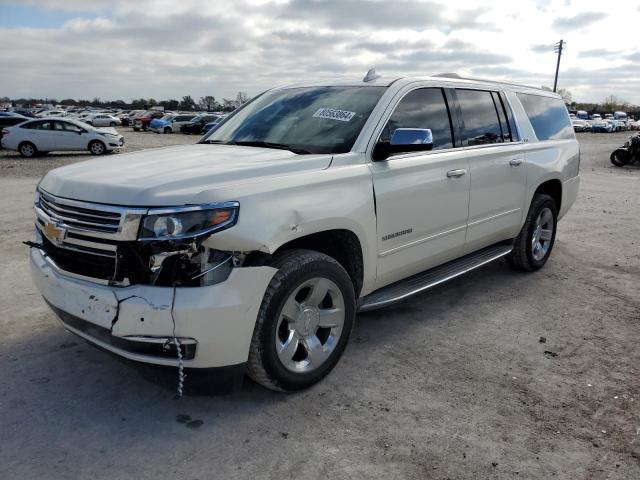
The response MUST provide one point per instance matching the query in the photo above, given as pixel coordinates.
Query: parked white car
(60, 134)
(102, 120)
(252, 250)
(51, 113)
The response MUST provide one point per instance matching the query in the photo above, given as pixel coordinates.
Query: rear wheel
(167, 129)
(96, 147)
(304, 322)
(27, 149)
(620, 157)
(532, 247)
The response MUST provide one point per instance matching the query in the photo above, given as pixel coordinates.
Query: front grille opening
(82, 263)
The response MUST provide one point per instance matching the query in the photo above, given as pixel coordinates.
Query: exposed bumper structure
(213, 324)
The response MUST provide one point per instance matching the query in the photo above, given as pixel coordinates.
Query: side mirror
(404, 140)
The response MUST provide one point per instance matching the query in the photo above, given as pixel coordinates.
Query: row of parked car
(39, 132)
(158, 121)
(595, 123)
(172, 122)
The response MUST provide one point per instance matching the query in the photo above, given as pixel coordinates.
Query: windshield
(304, 120)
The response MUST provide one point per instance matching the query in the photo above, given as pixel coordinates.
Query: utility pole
(558, 49)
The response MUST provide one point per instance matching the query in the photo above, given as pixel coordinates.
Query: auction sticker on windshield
(342, 115)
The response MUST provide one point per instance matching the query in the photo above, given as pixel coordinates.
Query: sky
(124, 49)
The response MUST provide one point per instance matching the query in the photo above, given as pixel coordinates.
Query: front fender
(295, 206)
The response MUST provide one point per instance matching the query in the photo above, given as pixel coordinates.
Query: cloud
(167, 49)
(577, 22)
(541, 48)
(598, 53)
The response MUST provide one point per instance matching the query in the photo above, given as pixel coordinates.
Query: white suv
(252, 250)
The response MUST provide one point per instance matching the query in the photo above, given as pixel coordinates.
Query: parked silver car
(56, 134)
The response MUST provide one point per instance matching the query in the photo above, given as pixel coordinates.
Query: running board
(435, 276)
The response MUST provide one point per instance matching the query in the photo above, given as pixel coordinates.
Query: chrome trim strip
(61, 211)
(370, 306)
(422, 240)
(94, 206)
(163, 340)
(493, 217)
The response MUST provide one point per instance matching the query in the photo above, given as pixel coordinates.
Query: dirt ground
(452, 384)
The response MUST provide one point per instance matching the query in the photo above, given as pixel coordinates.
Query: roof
(385, 81)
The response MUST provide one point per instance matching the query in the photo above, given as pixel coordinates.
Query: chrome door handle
(514, 162)
(456, 173)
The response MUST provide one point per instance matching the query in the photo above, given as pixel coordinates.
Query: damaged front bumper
(213, 324)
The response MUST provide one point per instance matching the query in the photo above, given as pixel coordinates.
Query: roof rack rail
(500, 82)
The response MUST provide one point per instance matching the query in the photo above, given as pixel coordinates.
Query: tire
(27, 150)
(96, 147)
(167, 130)
(532, 247)
(112, 124)
(291, 312)
(620, 157)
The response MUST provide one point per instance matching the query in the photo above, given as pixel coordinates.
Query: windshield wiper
(280, 146)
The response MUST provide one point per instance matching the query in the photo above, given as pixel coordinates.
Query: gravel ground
(455, 383)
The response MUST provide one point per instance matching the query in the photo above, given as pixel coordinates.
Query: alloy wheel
(542, 234)
(310, 325)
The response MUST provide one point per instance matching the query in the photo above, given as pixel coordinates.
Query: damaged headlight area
(171, 241)
(172, 249)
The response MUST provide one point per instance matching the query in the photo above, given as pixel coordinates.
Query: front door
(421, 198)
(69, 136)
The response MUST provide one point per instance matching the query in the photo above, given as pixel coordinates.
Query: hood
(110, 130)
(175, 175)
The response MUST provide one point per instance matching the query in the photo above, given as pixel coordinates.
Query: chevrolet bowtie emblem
(54, 233)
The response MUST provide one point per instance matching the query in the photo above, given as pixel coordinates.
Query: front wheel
(620, 157)
(96, 147)
(112, 124)
(167, 129)
(304, 322)
(532, 247)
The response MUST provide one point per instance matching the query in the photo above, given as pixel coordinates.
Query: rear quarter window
(548, 116)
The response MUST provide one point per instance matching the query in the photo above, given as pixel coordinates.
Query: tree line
(610, 104)
(187, 103)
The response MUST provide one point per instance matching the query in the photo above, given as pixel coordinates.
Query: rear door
(421, 197)
(42, 136)
(496, 164)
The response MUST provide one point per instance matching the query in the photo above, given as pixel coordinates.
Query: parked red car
(142, 121)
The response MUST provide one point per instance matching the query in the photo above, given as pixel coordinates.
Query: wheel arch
(342, 244)
(553, 188)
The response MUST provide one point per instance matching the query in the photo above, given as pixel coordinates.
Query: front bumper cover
(215, 323)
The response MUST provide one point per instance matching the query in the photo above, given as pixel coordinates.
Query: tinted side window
(481, 122)
(422, 108)
(548, 116)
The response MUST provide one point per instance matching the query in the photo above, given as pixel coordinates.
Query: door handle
(514, 162)
(456, 173)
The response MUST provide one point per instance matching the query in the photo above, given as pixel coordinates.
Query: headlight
(188, 222)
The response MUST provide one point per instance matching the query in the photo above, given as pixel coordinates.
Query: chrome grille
(82, 218)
